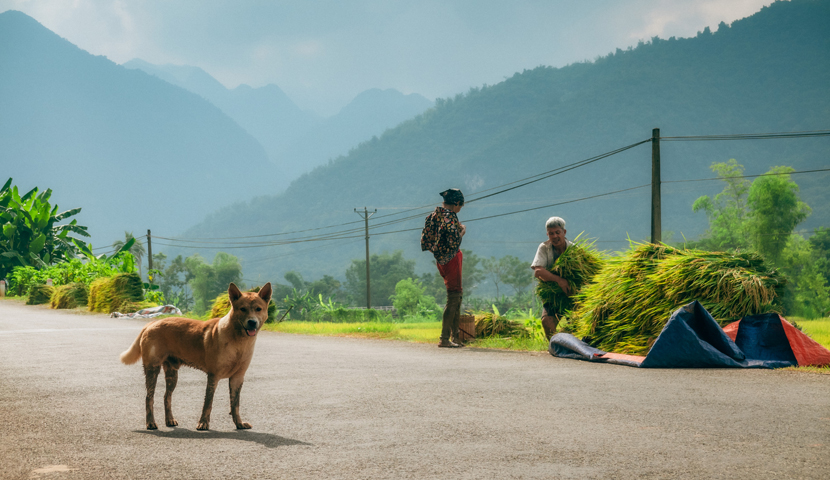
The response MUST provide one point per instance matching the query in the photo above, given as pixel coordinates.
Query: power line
(347, 234)
(747, 176)
(530, 209)
(748, 136)
(542, 175)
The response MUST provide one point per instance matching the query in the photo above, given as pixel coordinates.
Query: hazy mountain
(296, 140)
(369, 114)
(133, 151)
(765, 73)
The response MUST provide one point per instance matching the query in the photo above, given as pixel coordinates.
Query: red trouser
(451, 271)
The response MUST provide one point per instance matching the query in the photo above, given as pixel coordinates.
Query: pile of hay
(492, 324)
(222, 305)
(578, 265)
(120, 293)
(70, 296)
(39, 294)
(626, 306)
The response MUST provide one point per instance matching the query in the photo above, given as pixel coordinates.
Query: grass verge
(423, 332)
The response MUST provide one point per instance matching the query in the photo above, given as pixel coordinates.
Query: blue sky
(322, 53)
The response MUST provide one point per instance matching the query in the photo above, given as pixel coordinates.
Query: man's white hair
(555, 222)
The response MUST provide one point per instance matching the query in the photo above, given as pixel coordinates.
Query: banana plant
(29, 234)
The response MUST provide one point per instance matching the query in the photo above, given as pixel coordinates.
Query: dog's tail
(132, 354)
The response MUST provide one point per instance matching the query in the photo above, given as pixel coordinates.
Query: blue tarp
(693, 339)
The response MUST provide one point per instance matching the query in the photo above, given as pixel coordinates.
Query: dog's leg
(204, 422)
(151, 374)
(235, 384)
(171, 377)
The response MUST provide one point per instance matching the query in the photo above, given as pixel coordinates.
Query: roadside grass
(418, 332)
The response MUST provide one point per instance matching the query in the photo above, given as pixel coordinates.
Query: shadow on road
(265, 439)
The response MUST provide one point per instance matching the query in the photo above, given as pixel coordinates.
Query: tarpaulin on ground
(151, 312)
(693, 339)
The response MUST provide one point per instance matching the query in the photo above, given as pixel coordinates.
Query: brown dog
(221, 347)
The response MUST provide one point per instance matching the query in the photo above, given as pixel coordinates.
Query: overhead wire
(208, 243)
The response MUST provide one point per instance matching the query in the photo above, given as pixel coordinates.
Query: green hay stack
(39, 294)
(222, 305)
(632, 297)
(491, 324)
(70, 296)
(578, 265)
(120, 293)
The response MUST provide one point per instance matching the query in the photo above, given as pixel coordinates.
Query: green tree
(519, 276)
(727, 212)
(386, 271)
(137, 249)
(807, 293)
(775, 211)
(209, 280)
(496, 270)
(411, 301)
(471, 273)
(408, 293)
(29, 234)
(820, 241)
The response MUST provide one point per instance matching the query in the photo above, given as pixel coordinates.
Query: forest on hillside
(764, 73)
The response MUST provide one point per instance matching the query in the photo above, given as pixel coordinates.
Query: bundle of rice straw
(492, 324)
(632, 297)
(578, 265)
(123, 292)
(70, 296)
(39, 294)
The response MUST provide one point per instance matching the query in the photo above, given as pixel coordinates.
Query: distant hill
(765, 73)
(295, 140)
(133, 151)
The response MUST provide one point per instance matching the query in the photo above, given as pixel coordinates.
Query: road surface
(324, 407)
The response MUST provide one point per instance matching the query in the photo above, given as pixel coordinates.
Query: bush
(74, 271)
(409, 300)
(222, 305)
(39, 294)
(70, 296)
(120, 293)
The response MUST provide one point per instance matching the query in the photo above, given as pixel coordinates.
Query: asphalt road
(355, 408)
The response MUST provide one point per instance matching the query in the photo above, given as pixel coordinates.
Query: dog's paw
(203, 426)
(172, 423)
(152, 426)
(243, 425)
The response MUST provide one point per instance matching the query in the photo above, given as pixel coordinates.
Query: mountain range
(142, 147)
(295, 140)
(765, 73)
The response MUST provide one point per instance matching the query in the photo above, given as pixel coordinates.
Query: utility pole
(365, 216)
(149, 255)
(656, 227)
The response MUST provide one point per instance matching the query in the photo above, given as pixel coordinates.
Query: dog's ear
(233, 292)
(265, 292)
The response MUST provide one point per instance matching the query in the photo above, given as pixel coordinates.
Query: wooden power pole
(656, 227)
(365, 215)
(149, 254)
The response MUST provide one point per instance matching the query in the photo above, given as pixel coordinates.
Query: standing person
(546, 255)
(442, 236)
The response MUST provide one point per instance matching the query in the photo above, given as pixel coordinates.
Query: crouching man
(546, 255)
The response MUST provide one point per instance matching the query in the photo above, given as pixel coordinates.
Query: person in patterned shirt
(442, 236)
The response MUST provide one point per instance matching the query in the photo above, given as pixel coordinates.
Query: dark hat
(453, 196)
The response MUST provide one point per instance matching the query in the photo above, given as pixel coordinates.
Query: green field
(818, 329)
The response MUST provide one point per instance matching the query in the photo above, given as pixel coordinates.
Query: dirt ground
(348, 408)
